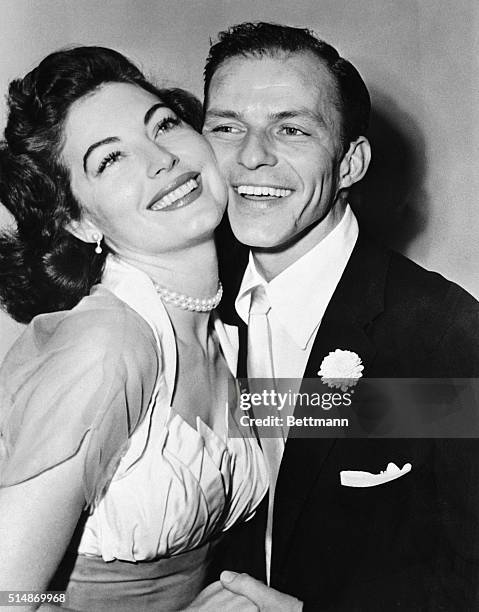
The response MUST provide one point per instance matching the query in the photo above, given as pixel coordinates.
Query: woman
(113, 402)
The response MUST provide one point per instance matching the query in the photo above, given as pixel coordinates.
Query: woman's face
(144, 179)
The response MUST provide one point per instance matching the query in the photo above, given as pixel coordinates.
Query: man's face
(275, 128)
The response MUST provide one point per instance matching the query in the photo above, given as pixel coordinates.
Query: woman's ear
(355, 162)
(85, 230)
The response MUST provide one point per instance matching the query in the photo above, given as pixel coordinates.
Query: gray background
(418, 57)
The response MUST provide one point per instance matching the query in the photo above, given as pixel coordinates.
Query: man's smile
(262, 192)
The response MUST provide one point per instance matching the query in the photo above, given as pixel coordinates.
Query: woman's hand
(241, 593)
(265, 598)
(216, 597)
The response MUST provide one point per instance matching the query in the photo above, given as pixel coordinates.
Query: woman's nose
(160, 158)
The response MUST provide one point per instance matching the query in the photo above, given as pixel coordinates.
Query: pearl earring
(98, 238)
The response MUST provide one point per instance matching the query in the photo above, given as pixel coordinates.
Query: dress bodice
(185, 487)
(177, 485)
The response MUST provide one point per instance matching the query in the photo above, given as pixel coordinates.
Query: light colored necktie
(260, 365)
(260, 354)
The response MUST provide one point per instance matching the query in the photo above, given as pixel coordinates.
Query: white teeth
(263, 191)
(178, 193)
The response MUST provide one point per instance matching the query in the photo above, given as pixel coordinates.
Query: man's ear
(84, 229)
(355, 162)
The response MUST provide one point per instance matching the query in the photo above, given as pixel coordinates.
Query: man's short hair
(269, 39)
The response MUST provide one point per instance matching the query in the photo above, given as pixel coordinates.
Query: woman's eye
(292, 131)
(166, 124)
(108, 160)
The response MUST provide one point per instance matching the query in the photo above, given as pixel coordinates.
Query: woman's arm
(37, 521)
(83, 384)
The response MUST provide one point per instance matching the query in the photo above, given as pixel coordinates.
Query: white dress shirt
(298, 297)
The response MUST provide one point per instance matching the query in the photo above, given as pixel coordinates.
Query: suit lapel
(358, 299)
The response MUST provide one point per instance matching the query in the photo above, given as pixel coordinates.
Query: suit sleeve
(457, 467)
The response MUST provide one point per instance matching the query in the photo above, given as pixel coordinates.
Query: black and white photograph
(239, 316)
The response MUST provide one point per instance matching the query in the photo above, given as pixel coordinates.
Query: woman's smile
(183, 191)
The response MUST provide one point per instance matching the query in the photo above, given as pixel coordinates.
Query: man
(287, 117)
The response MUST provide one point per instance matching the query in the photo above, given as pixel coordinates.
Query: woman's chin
(210, 218)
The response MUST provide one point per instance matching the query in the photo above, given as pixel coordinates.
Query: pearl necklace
(186, 302)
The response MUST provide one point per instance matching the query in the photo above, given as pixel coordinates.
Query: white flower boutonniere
(341, 369)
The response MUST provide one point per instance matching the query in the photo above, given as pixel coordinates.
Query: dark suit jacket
(412, 543)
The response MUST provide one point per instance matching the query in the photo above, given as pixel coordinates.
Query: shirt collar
(300, 295)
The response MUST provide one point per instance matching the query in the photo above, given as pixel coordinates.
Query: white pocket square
(351, 478)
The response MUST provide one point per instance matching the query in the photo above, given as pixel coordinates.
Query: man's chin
(256, 239)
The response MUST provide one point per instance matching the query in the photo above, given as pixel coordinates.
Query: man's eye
(108, 160)
(226, 129)
(166, 124)
(288, 130)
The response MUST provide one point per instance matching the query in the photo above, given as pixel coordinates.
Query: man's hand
(265, 598)
(216, 597)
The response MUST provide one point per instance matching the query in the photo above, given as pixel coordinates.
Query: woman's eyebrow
(151, 111)
(95, 145)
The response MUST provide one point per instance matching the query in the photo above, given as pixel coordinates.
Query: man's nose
(256, 151)
(160, 158)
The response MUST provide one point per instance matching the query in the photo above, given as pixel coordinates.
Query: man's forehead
(299, 76)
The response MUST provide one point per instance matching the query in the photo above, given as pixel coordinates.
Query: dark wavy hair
(262, 39)
(43, 267)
